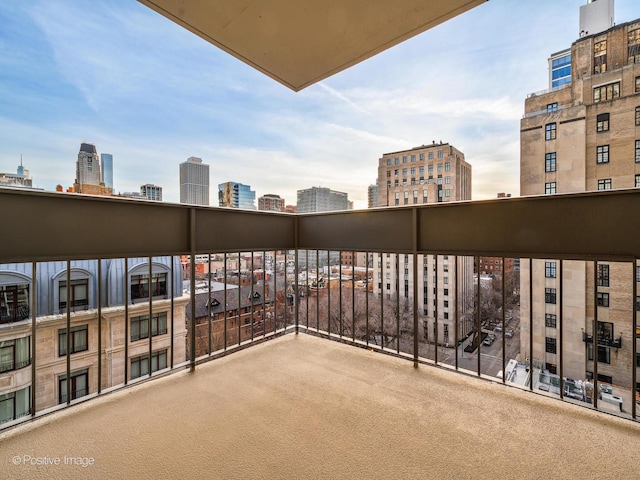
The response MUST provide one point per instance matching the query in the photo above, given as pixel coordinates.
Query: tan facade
(585, 136)
(51, 366)
(427, 174)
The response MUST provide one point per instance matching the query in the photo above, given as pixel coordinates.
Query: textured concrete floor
(301, 407)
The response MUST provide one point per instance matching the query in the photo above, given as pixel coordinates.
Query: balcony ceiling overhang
(298, 42)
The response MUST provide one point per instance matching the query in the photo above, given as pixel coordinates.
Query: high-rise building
(194, 182)
(236, 195)
(270, 202)
(584, 137)
(321, 199)
(151, 192)
(372, 195)
(88, 172)
(106, 160)
(425, 175)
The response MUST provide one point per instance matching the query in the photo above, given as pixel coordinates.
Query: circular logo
(17, 460)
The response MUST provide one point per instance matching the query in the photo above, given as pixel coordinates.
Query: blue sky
(116, 74)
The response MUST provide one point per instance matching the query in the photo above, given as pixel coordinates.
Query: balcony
(604, 341)
(353, 396)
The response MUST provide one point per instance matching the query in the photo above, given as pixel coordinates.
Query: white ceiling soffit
(300, 42)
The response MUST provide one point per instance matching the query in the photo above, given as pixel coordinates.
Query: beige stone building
(124, 335)
(435, 173)
(585, 136)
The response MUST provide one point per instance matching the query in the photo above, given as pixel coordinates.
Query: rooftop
(300, 406)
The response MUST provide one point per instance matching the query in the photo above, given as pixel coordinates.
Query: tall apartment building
(236, 195)
(584, 136)
(425, 175)
(271, 203)
(151, 192)
(88, 172)
(55, 297)
(372, 195)
(194, 182)
(106, 161)
(321, 199)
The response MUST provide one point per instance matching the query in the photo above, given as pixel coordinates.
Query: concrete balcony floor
(303, 407)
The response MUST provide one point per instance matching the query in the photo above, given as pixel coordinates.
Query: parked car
(508, 333)
(489, 339)
(498, 328)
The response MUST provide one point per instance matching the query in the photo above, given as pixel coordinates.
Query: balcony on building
(238, 343)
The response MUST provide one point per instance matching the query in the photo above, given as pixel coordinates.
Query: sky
(116, 74)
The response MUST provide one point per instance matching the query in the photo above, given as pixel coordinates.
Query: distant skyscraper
(236, 195)
(194, 182)
(107, 169)
(270, 202)
(88, 172)
(321, 199)
(151, 192)
(372, 195)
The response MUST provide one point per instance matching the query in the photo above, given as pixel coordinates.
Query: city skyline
(207, 104)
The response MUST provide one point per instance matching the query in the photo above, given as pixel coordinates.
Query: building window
(550, 320)
(14, 303)
(78, 295)
(637, 156)
(550, 345)
(550, 188)
(15, 405)
(79, 385)
(439, 167)
(388, 162)
(604, 184)
(140, 285)
(602, 154)
(637, 116)
(79, 340)
(550, 269)
(439, 153)
(404, 172)
(447, 192)
(397, 198)
(430, 155)
(15, 354)
(550, 131)
(550, 162)
(413, 158)
(395, 161)
(422, 156)
(604, 355)
(637, 274)
(602, 122)
(447, 180)
(140, 326)
(637, 84)
(406, 198)
(404, 159)
(552, 107)
(550, 295)
(603, 275)
(633, 54)
(602, 299)
(600, 55)
(415, 196)
(637, 180)
(447, 166)
(606, 92)
(140, 365)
